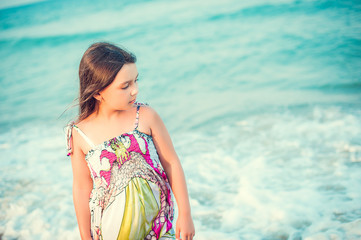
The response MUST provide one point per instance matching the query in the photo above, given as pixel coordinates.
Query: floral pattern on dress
(131, 196)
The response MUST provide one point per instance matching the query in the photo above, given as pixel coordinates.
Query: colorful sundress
(131, 196)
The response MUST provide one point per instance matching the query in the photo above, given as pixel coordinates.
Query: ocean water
(261, 98)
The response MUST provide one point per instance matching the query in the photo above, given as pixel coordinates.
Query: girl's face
(122, 92)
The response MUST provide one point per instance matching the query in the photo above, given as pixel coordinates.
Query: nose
(134, 90)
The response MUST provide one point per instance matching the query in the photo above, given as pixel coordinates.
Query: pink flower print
(110, 158)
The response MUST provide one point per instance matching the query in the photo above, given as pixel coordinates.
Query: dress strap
(91, 144)
(68, 137)
(137, 116)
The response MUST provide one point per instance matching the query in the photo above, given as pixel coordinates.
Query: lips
(132, 101)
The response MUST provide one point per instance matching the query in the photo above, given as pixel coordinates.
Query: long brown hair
(98, 67)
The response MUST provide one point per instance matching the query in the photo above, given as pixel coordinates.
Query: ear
(98, 97)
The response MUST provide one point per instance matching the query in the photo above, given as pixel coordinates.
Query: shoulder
(84, 125)
(149, 117)
(75, 143)
(147, 112)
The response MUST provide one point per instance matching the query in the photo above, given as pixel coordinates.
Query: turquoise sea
(262, 100)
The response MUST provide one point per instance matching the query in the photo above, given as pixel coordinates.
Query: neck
(105, 114)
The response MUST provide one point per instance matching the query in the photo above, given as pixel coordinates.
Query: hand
(184, 228)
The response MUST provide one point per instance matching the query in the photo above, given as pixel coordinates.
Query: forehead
(128, 72)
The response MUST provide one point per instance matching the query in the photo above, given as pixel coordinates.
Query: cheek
(120, 95)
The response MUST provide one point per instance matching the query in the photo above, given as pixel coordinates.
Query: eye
(136, 80)
(125, 87)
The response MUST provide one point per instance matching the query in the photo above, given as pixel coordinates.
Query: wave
(93, 20)
(350, 87)
(5, 4)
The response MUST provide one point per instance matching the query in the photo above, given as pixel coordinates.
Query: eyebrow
(130, 80)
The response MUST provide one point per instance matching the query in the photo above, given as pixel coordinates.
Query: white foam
(276, 175)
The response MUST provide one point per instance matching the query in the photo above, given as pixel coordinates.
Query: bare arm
(82, 186)
(175, 174)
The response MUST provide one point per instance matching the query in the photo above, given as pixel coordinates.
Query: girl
(124, 164)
